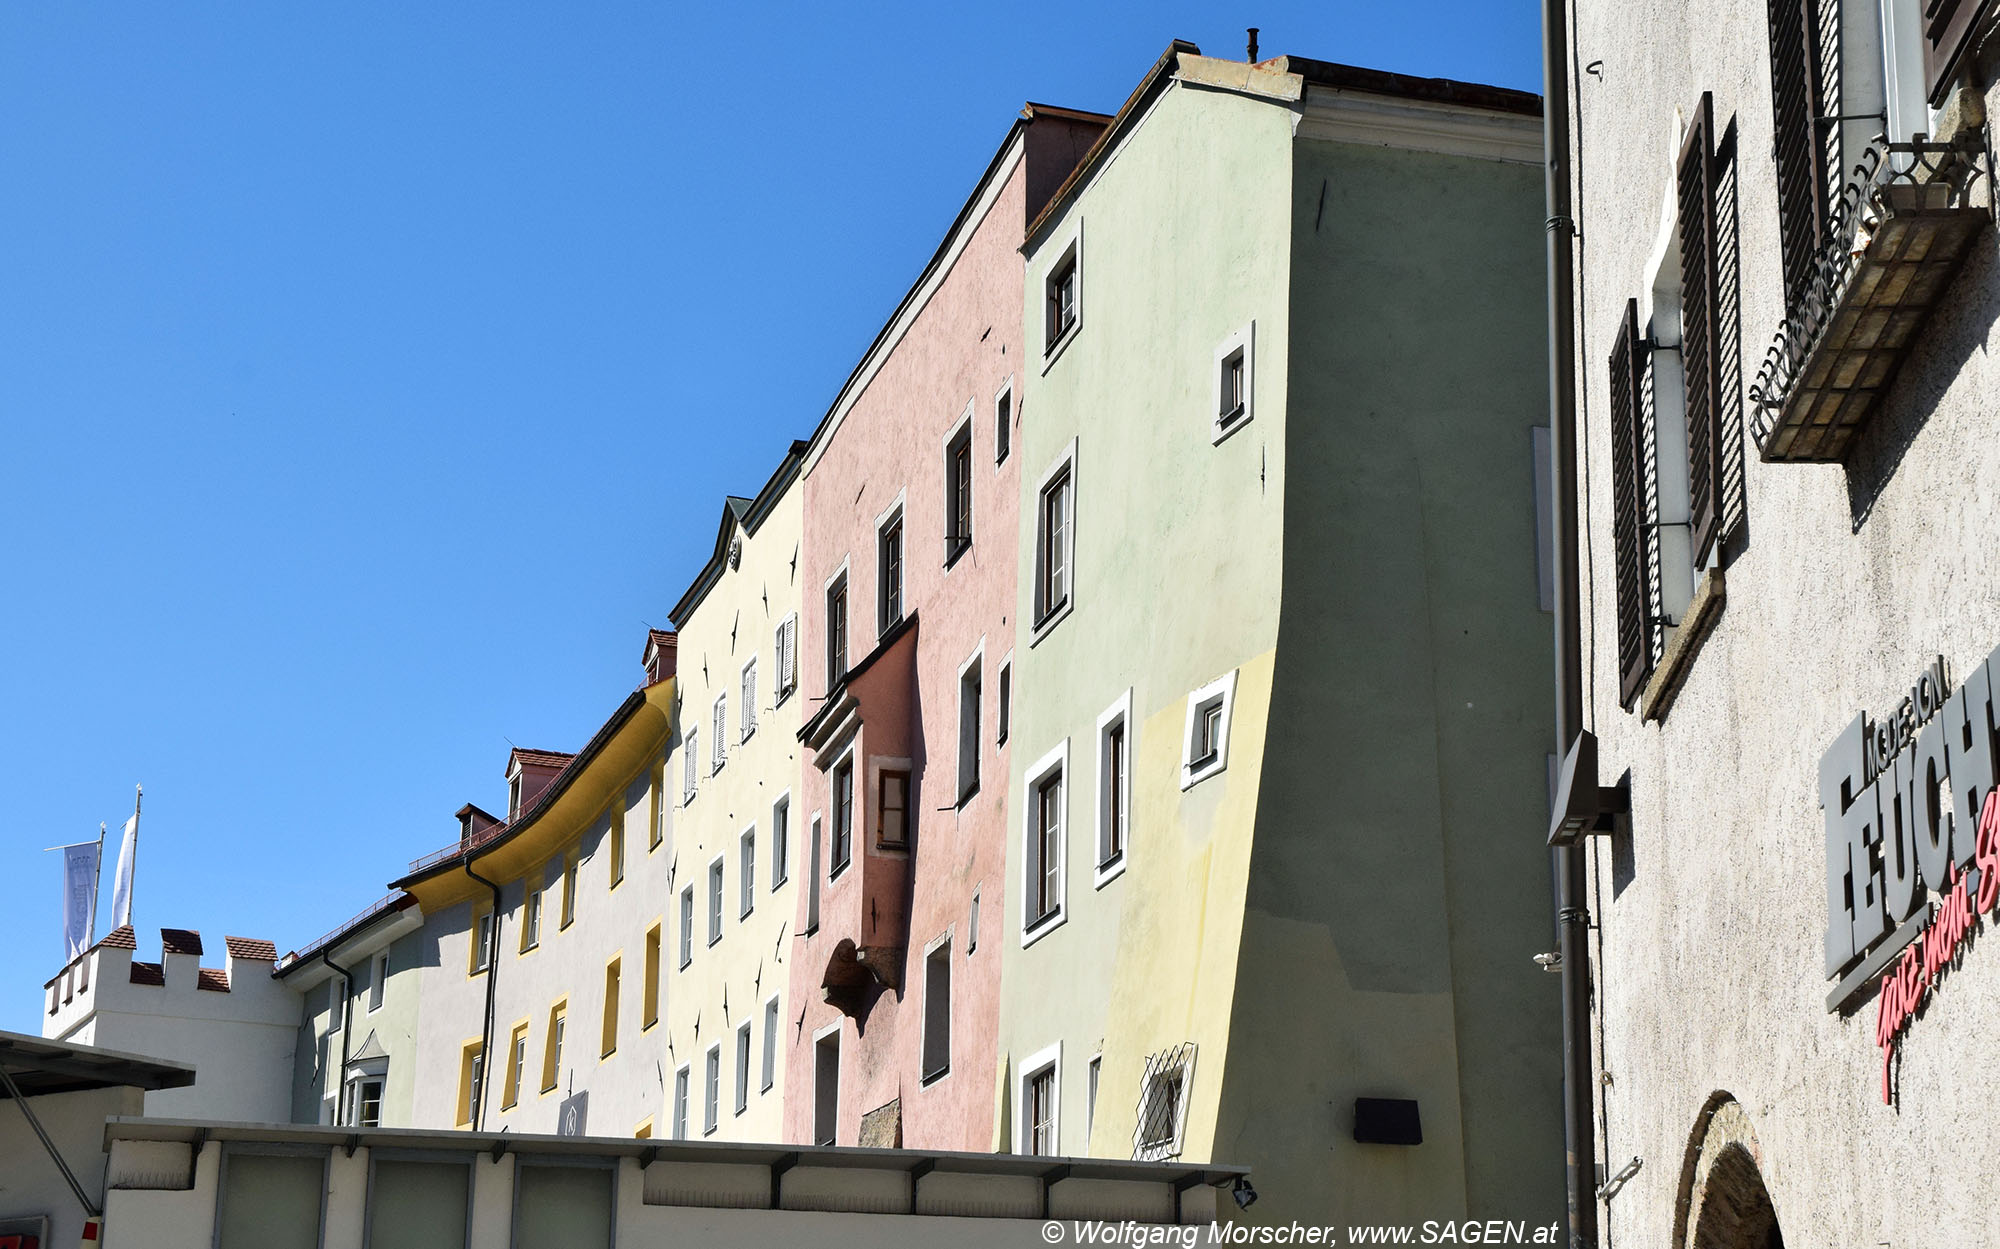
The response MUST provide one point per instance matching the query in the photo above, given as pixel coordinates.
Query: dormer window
(514, 794)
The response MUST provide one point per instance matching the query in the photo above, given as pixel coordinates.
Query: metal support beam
(90, 1208)
(778, 1170)
(1050, 1178)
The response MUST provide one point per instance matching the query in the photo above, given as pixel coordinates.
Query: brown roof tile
(212, 978)
(147, 973)
(121, 938)
(537, 758)
(251, 947)
(180, 941)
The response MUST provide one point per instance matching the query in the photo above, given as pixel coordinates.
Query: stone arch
(1723, 1203)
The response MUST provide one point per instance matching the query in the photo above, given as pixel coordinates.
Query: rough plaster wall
(30, 1184)
(1712, 913)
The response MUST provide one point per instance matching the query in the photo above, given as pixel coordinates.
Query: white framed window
(1114, 787)
(1205, 743)
(971, 692)
(781, 840)
(690, 753)
(715, 900)
(843, 814)
(1055, 543)
(826, 1084)
(1091, 1074)
(1003, 423)
(531, 913)
(682, 1077)
(746, 872)
(889, 568)
(1062, 297)
(711, 1089)
(770, 1043)
(687, 926)
(814, 842)
(836, 628)
(958, 489)
(1038, 1126)
(743, 1067)
(1003, 705)
(786, 646)
(1044, 804)
(1164, 1087)
(972, 924)
(937, 1010)
(720, 750)
(1233, 397)
(747, 717)
(378, 982)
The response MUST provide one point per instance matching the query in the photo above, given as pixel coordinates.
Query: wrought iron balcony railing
(1896, 237)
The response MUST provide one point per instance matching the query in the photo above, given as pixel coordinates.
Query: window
(471, 1081)
(690, 756)
(531, 913)
(517, 1058)
(649, 992)
(1038, 1130)
(813, 879)
(843, 813)
(972, 925)
(1004, 712)
(770, 1044)
(743, 1067)
(892, 808)
(1234, 396)
(715, 901)
(687, 926)
(1062, 305)
(826, 1085)
(1163, 1100)
(786, 645)
(836, 631)
(937, 1010)
(720, 749)
(1114, 786)
(569, 889)
(482, 940)
(681, 1103)
(1042, 858)
(968, 729)
(746, 872)
(748, 715)
(958, 492)
(1091, 1073)
(1205, 743)
(367, 1105)
(1003, 422)
(889, 573)
(781, 840)
(656, 826)
(612, 971)
(1055, 540)
(378, 981)
(552, 1045)
(514, 793)
(711, 1086)
(616, 840)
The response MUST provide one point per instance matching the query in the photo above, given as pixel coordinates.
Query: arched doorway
(1723, 1202)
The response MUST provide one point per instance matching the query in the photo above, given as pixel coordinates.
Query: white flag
(79, 897)
(121, 884)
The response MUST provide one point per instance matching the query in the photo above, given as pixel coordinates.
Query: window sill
(715, 941)
(1108, 872)
(746, 914)
(685, 964)
(956, 553)
(838, 870)
(1043, 927)
(1703, 610)
(526, 950)
(1046, 625)
(747, 736)
(1223, 430)
(1054, 350)
(968, 795)
(648, 1026)
(780, 883)
(933, 1077)
(1193, 774)
(784, 696)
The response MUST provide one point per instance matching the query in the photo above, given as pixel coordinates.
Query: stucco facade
(1271, 716)
(357, 1061)
(1724, 1071)
(735, 833)
(909, 514)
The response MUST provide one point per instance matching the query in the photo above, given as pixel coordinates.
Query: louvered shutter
(1797, 144)
(1949, 27)
(1699, 346)
(1630, 535)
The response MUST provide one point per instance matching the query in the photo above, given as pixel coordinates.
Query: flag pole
(132, 886)
(97, 884)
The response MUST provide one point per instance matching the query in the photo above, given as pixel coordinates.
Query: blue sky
(370, 376)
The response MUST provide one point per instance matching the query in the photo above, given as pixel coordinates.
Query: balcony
(1897, 236)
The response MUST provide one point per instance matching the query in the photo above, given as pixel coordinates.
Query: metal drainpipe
(1572, 917)
(346, 1031)
(492, 973)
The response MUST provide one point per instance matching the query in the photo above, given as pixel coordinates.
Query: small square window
(1062, 302)
(1205, 749)
(1234, 398)
(892, 809)
(1003, 423)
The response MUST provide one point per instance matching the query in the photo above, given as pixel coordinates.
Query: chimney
(659, 656)
(1253, 45)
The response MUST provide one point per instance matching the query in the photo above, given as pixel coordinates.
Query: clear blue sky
(370, 375)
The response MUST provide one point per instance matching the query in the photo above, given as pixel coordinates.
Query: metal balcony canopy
(38, 1066)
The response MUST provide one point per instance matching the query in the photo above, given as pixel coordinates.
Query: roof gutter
(492, 976)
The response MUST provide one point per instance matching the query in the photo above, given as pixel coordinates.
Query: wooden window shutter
(1797, 145)
(1699, 335)
(1630, 535)
(1949, 26)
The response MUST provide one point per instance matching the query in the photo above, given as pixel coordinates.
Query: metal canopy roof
(40, 1066)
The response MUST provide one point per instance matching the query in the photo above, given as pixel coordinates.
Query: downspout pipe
(1572, 915)
(346, 1031)
(492, 974)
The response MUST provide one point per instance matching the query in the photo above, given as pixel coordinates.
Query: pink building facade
(908, 580)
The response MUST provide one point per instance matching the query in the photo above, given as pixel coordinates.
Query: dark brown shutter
(1796, 143)
(1630, 535)
(1948, 29)
(1699, 348)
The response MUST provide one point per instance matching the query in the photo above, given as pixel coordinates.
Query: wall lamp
(1582, 806)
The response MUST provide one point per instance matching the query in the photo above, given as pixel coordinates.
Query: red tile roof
(251, 947)
(212, 978)
(537, 758)
(181, 941)
(120, 939)
(147, 973)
